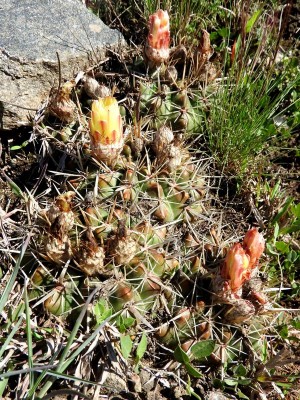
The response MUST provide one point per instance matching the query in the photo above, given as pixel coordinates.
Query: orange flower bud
(159, 30)
(236, 267)
(158, 40)
(254, 245)
(106, 130)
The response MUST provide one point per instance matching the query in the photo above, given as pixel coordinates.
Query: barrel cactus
(128, 221)
(131, 217)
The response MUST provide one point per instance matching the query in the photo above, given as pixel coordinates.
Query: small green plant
(127, 345)
(240, 378)
(198, 351)
(284, 245)
(19, 147)
(247, 102)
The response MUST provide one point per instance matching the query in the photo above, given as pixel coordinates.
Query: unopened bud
(236, 267)
(254, 245)
(158, 41)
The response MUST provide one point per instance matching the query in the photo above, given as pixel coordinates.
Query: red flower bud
(254, 245)
(236, 267)
(158, 40)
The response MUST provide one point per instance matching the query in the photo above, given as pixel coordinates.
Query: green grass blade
(45, 371)
(11, 334)
(3, 384)
(13, 277)
(29, 335)
(61, 365)
(22, 371)
(85, 343)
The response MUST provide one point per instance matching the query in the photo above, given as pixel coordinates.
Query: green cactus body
(133, 227)
(95, 242)
(61, 298)
(171, 107)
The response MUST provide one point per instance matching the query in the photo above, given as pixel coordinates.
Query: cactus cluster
(127, 220)
(124, 222)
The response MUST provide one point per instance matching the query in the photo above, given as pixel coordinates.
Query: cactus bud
(58, 249)
(122, 294)
(60, 300)
(106, 130)
(239, 312)
(62, 208)
(124, 249)
(162, 140)
(90, 256)
(61, 105)
(254, 245)
(151, 287)
(93, 89)
(236, 267)
(190, 241)
(163, 330)
(107, 184)
(158, 41)
(175, 158)
(40, 277)
(182, 317)
(204, 330)
(187, 345)
(204, 50)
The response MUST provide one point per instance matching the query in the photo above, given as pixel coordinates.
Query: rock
(147, 382)
(115, 382)
(32, 32)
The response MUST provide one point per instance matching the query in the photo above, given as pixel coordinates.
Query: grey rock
(32, 32)
(147, 381)
(115, 382)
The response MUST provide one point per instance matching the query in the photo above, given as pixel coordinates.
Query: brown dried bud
(58, 249)
(162, 141)
(61, 105)
(93, 89)
(204, 51)
(90, 256)
(239, 312)
(124, 250)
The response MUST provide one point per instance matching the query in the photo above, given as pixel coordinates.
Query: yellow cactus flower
(157, 47)
(236, 267)
(106, 130)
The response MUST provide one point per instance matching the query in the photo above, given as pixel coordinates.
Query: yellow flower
(236, 267)
(158, 40)
(106, 130)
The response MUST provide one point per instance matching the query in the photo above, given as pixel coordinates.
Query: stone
(32, 33)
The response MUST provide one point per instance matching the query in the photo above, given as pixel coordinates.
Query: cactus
(127, 222)
(175, 107)
(119, 227)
